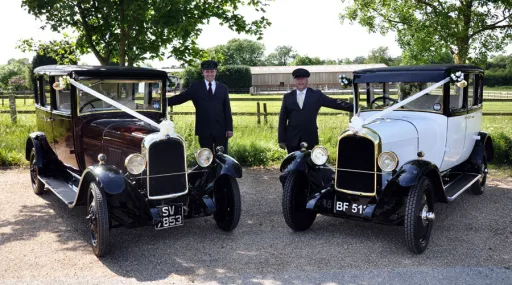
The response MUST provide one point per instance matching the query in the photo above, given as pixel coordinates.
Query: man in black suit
(214, 123)
(297, 119)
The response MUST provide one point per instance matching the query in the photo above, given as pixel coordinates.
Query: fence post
(258, 111)
(12, 106)
(265, 113)
(25, 100)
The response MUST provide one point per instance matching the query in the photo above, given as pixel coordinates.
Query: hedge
(497, 77)
(234, 76)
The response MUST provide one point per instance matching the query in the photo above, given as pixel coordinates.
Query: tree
(306, 60)
(468, 29)
(237, 52)
(282, 55)
(63, 51)
(379, 55)
(244, 52)
(15, 69)
(130, 31)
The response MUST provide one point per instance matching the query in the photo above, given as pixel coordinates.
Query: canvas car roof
(81, 72)
(413, 73)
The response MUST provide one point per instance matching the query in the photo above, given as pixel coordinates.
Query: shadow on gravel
(53, 216)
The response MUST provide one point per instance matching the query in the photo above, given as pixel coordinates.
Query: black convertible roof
(412, 73)
(80, 72)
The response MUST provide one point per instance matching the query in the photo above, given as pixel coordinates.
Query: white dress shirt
(214, 84)
(303, 97)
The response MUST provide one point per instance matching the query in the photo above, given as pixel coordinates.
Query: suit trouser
(212, 142)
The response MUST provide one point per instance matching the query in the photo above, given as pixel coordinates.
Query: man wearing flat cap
(214, 123)
(299, 109)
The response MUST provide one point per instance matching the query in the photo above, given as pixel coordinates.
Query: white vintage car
(417, 140)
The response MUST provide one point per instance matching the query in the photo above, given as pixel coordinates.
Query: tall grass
(13, 138)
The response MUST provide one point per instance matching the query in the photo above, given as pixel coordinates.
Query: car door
(63, 129)
(474, 114)
(456, 130)
(44, 110)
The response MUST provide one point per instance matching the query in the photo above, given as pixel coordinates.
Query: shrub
(502, 148)
(234, 76)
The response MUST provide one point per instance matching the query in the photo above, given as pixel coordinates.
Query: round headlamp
(204, 157)
(319, 155)
(135, 163)
(388, 161)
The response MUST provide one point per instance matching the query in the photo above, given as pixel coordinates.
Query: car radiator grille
(166, 166)
(356, 165)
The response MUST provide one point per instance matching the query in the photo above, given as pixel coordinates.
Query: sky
(311, 27)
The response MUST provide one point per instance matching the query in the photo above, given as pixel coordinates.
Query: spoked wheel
(419, 215)
(228, 203)
(37, 185)
(97, 216)
(478, 187)
(295, 195)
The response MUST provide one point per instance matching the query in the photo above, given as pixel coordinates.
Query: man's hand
(282, 145)
(229, 134)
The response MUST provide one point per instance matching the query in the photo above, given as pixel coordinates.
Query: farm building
(322, 76)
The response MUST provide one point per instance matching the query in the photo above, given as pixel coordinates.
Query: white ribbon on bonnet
(356, 123)
(166, 127)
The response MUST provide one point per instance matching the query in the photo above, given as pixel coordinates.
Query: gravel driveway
(43, 241)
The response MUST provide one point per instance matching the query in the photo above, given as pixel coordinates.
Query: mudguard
(295, 161)
(47, 160)
(227, 165)
(110, 179)
(409, 174)
(481, 145)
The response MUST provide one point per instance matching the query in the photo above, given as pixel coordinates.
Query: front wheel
(295, 193)
(419, 215)
(97, 215)
(228, 203)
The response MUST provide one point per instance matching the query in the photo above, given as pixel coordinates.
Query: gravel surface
(43, 241)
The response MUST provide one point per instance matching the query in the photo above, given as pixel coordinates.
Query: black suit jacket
(213, 113)
(300, 124)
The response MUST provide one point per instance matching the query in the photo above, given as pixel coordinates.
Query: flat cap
(300, 72)
(209, 64)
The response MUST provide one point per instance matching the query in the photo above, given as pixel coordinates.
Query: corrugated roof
(313, 68)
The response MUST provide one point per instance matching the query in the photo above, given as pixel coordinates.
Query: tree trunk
(122, 36)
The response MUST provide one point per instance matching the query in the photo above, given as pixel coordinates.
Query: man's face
(301, 83)
(209, 74)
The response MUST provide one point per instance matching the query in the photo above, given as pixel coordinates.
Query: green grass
(13, 138)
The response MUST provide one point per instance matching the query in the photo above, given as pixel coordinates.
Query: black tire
(478, 188)
(37, 185)
(294, 202)
(97, 215)
(417, 229)
(228, 203)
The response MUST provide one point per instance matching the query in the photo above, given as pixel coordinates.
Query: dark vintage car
(90, 153)
(416, 141)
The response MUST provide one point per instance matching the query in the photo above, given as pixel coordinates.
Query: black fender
(227, 165)
(409, 174)
(483, 144)
(294, 161)
(320, 177)
(110, 179)
(47, 160)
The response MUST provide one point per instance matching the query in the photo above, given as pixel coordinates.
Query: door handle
(49, 119)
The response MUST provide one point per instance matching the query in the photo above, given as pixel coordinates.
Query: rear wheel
(227, 203)
(295, 194)
(97, 215)
(419, 216)
(478, 187)
(37, 185)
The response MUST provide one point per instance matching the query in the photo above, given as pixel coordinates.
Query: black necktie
(210, 88)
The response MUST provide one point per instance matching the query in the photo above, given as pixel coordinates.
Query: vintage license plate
(172, 216)
(349, 208)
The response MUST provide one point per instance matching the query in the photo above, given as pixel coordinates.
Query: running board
(460, 184)
(65, 191)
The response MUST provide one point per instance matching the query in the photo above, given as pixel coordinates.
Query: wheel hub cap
(427, 216)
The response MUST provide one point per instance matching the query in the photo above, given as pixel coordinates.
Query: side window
(46, 92)
(471, 90)
(456, 97)
(63, 98)
(479, 89)
(36, 90)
